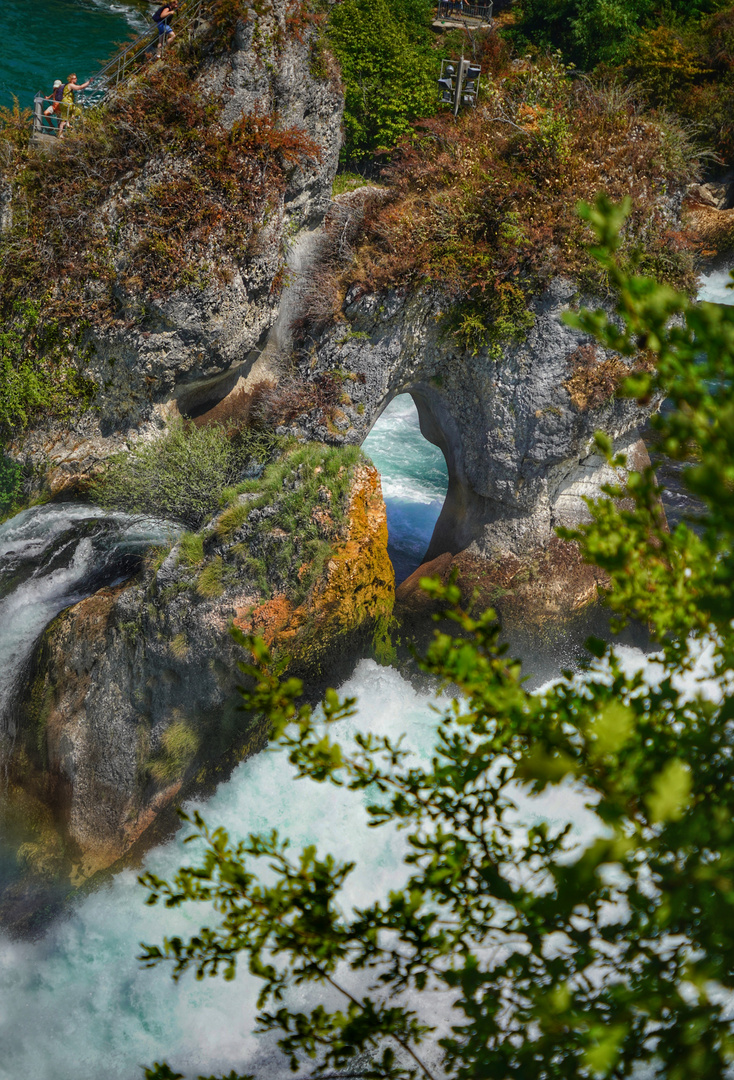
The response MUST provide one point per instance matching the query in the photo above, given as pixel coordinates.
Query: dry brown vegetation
(188, 191)
(151, 195)
(593, 381)
(485, 208)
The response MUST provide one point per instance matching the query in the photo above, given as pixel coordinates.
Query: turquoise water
(49, 40)
(414, 482)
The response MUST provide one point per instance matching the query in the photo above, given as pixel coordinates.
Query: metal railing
(458, 9)
(126, 63)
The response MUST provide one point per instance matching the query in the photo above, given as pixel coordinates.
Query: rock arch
(516, 424)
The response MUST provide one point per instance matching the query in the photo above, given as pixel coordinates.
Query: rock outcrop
(515, 424)
(133, 698)
(178, 352)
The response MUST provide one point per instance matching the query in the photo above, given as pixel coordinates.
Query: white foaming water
(77, 1006)
(414, 482)
(51, 557)
(716, 287)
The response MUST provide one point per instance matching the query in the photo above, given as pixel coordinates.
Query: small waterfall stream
(53, 556)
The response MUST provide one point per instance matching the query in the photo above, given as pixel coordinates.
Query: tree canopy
(565, 959)
(389, 70)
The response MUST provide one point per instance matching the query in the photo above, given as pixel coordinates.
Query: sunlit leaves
(568, 957)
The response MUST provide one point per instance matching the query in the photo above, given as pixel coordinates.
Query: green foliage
(11, 482)
(347, 181)
(565, 959)
(209, 583)
(181, 475)
(591, 32)
(179, 745)
(191, 549)
(35, 373)
(389, 70)
(297, 511)
(662, 65)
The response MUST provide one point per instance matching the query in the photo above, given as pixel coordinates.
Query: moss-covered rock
(133, 702)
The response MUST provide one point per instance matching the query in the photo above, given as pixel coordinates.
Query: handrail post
(38, 114)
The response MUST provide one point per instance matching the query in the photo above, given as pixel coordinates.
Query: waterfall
(51, 557)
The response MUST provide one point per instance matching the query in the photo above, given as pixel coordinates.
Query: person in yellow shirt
(69, 108)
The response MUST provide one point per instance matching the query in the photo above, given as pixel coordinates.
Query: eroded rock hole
(414, 482)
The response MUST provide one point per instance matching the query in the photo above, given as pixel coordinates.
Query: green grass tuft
(209, 584)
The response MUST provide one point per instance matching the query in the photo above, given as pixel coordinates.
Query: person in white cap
(55, 99)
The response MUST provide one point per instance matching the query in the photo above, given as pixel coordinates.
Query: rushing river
(74, 1004)
(51, 557)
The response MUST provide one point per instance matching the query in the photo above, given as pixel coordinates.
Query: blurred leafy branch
(564, 959)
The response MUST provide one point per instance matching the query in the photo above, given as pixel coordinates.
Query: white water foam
(56, 566)
(76, 1005)
(716, 287)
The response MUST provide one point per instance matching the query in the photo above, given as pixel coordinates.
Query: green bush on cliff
(559, 954)
(11, 481)
(36, 375)
(183, 474)
(297, 511)
(178, 747)
(389, 70)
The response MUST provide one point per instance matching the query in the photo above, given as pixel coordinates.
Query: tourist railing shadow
(127, 62)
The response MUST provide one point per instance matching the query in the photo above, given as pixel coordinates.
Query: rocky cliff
(515, 423)
(204, 173)
(132, 701)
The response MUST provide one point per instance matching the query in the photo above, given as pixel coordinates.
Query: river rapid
(74, 1002)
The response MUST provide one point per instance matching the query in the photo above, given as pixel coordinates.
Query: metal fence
(458, 9)
(127, 62)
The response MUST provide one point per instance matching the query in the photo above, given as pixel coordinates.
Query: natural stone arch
(517, 437)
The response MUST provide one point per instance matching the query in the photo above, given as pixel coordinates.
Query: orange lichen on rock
(356, 590)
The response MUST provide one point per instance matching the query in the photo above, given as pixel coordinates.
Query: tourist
(160, 18)
(55, 99)
(69, 108)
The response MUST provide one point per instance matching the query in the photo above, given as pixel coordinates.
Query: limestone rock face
(133, 696)
(178, 352)
(515, 424)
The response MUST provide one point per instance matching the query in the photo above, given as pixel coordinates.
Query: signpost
(459, 83)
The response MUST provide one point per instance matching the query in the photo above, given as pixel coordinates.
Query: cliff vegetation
(198, 192)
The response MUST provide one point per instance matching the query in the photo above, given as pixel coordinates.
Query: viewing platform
(455, 13)
(129, 61)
